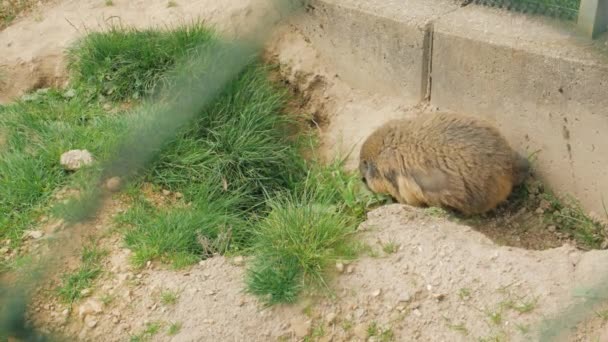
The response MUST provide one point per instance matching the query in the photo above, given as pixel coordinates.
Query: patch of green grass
(174, 329)
(109, 3)
(182, 235)
(171, 3)
(169, 297)
(37, 130)
(124, 63)
(296, 243)
(72, 284)
(568, 216)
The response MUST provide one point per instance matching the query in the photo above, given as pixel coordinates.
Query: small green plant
(521, 306)
(174, 329)
(168, 297)
(109, 3)
(460, 327)
(171, 3)
(568, 216)
(390, 247)
(74, 283)
(495, 317)
(150, 330)
(603, 314)
(373, 329)
(347, 324)
(107, 299)
(464, 293)
(318, 331)
(383, 335)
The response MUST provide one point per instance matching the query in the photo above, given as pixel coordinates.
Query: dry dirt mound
(428, 279)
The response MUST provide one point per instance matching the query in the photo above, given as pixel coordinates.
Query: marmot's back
(442, 159)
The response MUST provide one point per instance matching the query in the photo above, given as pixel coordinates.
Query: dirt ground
(424, 278)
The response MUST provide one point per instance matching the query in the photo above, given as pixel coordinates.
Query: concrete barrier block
(376, 45)
(545, 88)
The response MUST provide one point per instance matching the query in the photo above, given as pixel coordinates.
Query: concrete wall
(380, 46)
(545, 88)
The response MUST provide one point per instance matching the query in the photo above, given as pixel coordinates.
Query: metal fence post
(593, 17)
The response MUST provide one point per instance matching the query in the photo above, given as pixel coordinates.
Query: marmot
(444, 160)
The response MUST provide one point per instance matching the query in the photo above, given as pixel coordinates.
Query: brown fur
(442, 159)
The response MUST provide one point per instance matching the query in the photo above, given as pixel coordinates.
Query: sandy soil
(443, 282)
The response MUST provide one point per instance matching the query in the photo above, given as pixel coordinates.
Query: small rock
(360, 331)
(376, 293)
(208, 321)
(539, 211)
(115, 320)
(113, 184)
(90, 322)
(238, 261)
(65, 312)
(179, 195)
(439, 297)
(551, 228)
(85, 292)
(417, 312)
(350, 269)
(166, 192)
(90, 307)
(4, 250)
(404, 298)
(107, 106)
(75, 159)
(33, 234)
(69, 94)
(330, 318)
(360, 313)
(300, 327)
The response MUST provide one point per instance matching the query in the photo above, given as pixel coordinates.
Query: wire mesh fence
(563, 9)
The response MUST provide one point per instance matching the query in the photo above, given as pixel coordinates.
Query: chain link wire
(562, 9)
